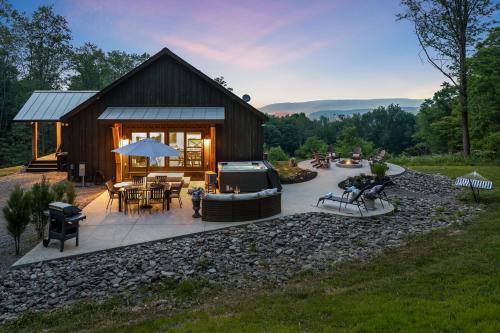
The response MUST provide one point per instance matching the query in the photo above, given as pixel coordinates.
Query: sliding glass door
(189, 143)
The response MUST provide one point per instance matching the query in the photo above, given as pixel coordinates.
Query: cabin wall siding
(164, 83)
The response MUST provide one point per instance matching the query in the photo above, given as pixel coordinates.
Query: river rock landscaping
(242, 256)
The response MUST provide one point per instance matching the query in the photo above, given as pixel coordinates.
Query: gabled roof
(165, 52)
(51, 105)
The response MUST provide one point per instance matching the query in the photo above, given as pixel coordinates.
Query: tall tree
(89, 64)
(447, 30)
(485, 93)
(95, 69)
(43, 46)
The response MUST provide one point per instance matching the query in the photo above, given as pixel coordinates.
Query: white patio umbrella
(149, 148)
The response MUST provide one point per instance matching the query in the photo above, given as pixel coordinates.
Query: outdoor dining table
(123, 186)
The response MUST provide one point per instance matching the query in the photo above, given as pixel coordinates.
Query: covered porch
(43, 112)
(190, 130)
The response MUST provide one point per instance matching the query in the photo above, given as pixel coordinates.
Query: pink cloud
(251, 35)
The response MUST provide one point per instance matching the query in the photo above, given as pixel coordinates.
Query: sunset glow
(276, 51)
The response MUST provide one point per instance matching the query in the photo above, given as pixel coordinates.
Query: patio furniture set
(323, 160)
(144, 193)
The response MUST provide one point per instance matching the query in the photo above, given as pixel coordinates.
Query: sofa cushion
(247, 196)
(220, 197)
(269, 192)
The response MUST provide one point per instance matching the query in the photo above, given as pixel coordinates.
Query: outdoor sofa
(228, 207)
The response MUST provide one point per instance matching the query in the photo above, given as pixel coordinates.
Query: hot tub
(251, 176)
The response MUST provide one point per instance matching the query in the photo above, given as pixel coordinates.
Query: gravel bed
(244, 257)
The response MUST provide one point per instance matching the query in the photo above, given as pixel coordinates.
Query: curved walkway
(302, 197)
(107, 228)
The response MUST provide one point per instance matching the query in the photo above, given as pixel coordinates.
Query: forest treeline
(435, 129)
(37, 53)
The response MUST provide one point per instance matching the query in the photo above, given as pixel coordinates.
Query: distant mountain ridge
(335, 107)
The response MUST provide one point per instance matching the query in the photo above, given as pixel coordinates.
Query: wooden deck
(50, 157)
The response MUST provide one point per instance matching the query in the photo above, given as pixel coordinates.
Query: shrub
(312, 143)
(17, 213)
(277, 154)
(64, 191)
(58, 190)
(70, 193)
(41, 196)
(379, 169)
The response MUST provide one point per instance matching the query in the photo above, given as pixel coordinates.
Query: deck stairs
(42, 165)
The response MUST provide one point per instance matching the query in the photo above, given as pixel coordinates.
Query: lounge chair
(356, 154)
(355, 199)
(379, 191)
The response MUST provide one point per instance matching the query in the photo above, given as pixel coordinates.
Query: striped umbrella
(475, 181)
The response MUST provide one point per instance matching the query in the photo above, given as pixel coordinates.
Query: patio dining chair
(157, 196)
(133, 196)
(162, 179)
(139, 180)
(113, 193)
(175, 191)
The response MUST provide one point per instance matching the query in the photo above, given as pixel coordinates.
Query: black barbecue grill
(64, 223)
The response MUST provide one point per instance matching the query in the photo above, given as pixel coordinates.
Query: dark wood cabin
(164, 98)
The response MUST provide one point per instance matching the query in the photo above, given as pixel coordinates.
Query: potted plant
(196, 194)
(369, 198)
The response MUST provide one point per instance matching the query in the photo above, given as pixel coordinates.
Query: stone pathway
(242, 256)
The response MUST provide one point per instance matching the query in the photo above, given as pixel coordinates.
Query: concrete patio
(107, 228)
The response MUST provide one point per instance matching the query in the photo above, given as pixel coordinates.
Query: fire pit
(349, 164)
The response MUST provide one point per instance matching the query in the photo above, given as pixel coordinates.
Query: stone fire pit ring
(349, 164)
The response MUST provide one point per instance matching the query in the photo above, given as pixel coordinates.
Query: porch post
(58, 135)
(212, 148)
(34, 140)
(116, 131)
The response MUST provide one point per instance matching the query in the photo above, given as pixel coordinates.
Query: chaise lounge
(355, 199)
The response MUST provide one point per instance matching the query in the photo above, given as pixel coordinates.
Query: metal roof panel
(51, 105)
(163, 113)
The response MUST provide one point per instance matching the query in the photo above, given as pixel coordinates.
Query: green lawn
(445, 281)
(9, 170)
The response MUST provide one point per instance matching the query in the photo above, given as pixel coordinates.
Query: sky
(275, 51)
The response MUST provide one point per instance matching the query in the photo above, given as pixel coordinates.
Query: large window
(188, 143)
(138, 161)
(176, 141)
(194, 149)
(160, 137)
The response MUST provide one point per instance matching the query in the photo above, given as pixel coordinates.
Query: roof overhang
(51, 105)
(165, 113)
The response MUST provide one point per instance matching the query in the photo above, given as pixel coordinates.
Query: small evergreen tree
(41, 196)
(17, 213)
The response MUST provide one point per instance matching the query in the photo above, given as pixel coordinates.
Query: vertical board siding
(164, 83)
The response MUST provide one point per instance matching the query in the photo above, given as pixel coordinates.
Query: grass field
(9, 170)
(445, 281)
